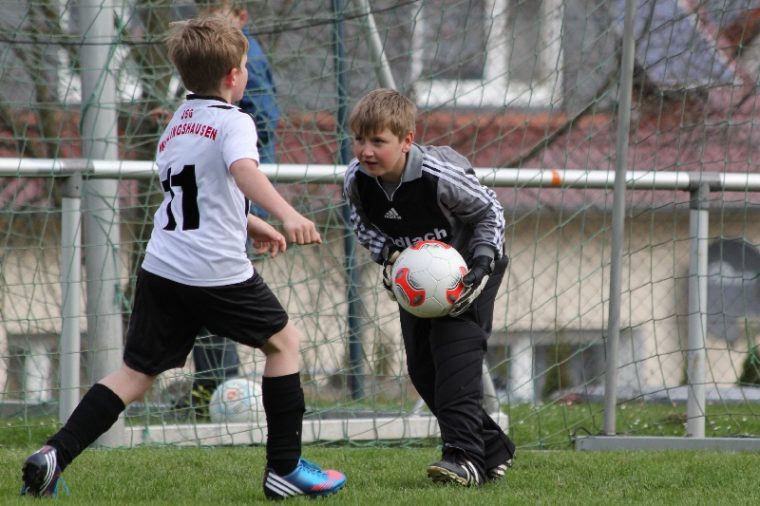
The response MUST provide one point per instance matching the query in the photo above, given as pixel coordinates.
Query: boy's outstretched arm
(256, 186)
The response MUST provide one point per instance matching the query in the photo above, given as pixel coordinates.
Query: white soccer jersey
(199, 231)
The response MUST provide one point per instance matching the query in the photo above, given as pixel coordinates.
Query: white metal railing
(319, 173)
(699, 185)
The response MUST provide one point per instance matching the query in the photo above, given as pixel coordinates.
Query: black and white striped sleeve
(465, 197)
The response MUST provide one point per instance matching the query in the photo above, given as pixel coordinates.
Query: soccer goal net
(538, 95)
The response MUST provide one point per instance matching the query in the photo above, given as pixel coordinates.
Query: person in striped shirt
(399, 193)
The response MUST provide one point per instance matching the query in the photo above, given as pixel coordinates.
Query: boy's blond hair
(380, 109)
(204, 50)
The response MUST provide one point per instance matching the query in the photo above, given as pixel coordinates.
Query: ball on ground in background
(237, 400)
(427, 278)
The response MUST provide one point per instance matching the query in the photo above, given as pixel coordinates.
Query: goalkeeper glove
(474, 282)
(390, 253)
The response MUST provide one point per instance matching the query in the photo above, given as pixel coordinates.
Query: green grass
(395, 476)
(547, 470)
(555, 425)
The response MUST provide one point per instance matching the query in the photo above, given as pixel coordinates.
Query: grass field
(395, 476)
(547, 470)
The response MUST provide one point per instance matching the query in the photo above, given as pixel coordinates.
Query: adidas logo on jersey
(392, 214)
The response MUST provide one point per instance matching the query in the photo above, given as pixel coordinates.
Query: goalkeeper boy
(196, 271)
(400, 192)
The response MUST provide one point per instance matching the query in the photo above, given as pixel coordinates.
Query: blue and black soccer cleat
(307, 479)
(42, 474)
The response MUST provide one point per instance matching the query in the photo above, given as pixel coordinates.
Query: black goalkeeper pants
(445, 363)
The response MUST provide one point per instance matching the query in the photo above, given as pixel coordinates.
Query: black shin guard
(284, 407)
(94, 415)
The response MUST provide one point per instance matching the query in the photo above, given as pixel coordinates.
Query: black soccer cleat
(497, 473)
(42, 474)
(455, 468)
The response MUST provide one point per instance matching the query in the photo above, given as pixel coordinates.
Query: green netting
(514, 86)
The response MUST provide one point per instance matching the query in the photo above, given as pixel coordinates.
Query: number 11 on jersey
(185, 179)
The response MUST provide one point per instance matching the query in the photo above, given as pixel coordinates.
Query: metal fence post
(618, 218)
(697, 322)
(71, 292)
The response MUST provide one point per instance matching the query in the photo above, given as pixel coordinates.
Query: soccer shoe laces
(311, 467)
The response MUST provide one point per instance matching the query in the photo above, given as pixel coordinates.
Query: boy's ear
(231, 77)
(407, 141)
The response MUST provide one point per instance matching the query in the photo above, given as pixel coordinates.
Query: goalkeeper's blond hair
(380, 109)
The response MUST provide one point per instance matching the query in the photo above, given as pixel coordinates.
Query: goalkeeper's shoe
(42, 474)
(307, 479)
(497, 473)
(456, 468)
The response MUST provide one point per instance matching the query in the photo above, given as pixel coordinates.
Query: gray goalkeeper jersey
(439, 197)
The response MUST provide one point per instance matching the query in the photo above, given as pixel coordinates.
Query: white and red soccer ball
(237, 400)
(427, 278)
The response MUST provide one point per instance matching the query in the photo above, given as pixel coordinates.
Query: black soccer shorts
(167, 316)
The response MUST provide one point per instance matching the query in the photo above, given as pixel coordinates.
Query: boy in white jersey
(196, 272)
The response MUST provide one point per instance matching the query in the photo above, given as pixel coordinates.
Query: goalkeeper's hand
(474, 282)
(390, 253)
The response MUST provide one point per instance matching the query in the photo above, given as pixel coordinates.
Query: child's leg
(498, 446)
(283, 399)
(419, 363)
(94, 415)
(97, 411)
(457, 351)
(250, 313)
(445, 363)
